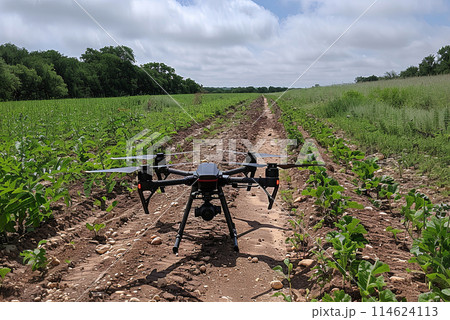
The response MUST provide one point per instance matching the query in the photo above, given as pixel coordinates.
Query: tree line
(244, 89)
(108, 72)
(431, 65)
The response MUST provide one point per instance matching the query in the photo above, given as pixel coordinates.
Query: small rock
(134, 299)
(396, 279)
(276, 284)
(202, 269)
(174, 204)
(162, 282)
(141, 252)
(55, 262)
(307, 263)
(102, 248)
(299, 199)
(156, 241)
(383, 213)
(156, 297)
(368, 208)
(121, 250)
(37, 299)
(255, 260)
(52, 285)
(140, 266)
(206, 259)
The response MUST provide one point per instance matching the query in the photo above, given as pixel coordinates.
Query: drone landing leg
(231, 226)
(183, 223)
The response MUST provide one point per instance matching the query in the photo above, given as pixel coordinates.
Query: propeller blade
(256, 165)
(122, 170)
(303, 165)
(256, 154)
(171, 165)
(266, 155)
(151, 156)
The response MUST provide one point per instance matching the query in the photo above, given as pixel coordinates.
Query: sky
(289, 43)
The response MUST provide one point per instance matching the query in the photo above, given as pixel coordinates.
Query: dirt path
(125, 266)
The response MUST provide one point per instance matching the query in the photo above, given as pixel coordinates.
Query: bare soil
(207, 268)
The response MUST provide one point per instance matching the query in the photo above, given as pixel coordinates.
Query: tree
(427, 66)
(30, 82)
(443, 60)
(9, 83)
(410, 72)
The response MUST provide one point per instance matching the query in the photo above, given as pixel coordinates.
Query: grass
(408, 119)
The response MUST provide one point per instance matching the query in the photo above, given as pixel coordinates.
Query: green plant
(323, 270)
(416, 217)
(36, 258)
(3, 273)
(299, 239)
(338, 296)
(368, 282)
(394, 231)
(432, 253)
(96, 228)
(345, 243)
(287, 276)
(328, 194)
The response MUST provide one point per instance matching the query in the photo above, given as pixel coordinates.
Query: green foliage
(416, 217)
(328, 194)
(337, 296)
(3, 273)
(345, 243)
(323, 270)
(96, 227)
(394, 231)
(370, 285)
(432, 253)
(287, 277)
(108, 72)
(36, 258)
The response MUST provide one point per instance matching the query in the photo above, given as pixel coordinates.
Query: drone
(206, 183)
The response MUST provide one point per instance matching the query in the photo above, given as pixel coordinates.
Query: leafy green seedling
(394, 231)
(96, 228)
(287, 276)
(3, 273)
(36, 258)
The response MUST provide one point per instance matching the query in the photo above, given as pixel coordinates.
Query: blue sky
(240, 42)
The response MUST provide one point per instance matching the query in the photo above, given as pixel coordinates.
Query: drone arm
(236, 171)
(264, 183)
(180, 172)
(152, 186)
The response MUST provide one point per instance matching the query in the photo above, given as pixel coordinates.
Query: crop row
(426, 224)
(45, 146)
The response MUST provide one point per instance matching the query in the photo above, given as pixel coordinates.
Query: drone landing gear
(226, 211)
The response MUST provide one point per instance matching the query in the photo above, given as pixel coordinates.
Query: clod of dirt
(156, 241)
(102, 248)
(255, 260)
(134, 299)
(276, 284)
(156, 297)
(203, 269)
(307, 263)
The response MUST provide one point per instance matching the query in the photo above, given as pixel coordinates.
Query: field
(370, 226)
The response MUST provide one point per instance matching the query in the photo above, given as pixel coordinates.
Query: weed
(36, 258)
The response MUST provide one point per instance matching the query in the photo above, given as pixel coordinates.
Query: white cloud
(238, 42)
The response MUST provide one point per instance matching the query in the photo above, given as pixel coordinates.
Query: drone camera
(207, 211)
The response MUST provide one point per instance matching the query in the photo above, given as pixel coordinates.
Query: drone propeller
(256, 165)
(282, 166)
(133, 169)
(256, 154)
(122, 170)
(151, 156)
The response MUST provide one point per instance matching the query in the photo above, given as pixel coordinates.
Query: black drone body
(206, 184)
